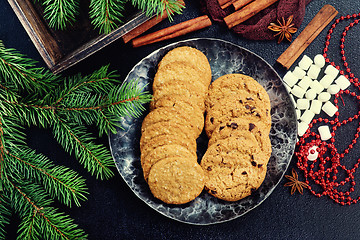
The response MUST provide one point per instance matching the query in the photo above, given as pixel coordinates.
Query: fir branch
(74, 139)
(124, 100)
(106, 14)
(19, 73)
(156, 7)
(100, 81)
(61, 13)
(58, 181)
(31, 114)
(38, 219)
(30, 181)
(5, 213)
(12, 134)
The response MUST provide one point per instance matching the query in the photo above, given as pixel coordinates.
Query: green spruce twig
(61, 13)
(29, 181)
(105, 15)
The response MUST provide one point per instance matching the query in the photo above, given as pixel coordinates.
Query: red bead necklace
(327, 175)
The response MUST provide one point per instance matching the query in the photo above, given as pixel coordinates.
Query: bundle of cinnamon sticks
(166, 33)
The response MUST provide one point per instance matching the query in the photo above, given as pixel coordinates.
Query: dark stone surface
(114, 212)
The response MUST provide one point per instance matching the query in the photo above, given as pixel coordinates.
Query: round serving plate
(224, 58)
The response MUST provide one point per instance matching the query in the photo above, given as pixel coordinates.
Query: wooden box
(62, 49)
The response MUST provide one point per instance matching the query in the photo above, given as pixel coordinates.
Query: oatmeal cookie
(163, 152)
(192, 56)
(176, 180)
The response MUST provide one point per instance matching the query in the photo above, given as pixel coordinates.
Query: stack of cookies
(176, 119)
(237, 123)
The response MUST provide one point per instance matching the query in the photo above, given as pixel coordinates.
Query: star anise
(294, 183)
(284, 29)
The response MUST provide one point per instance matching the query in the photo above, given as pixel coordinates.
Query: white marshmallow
(290, 79)
(324, 97)
(333, 89)
(329, 108)
(307, 116)
(313, 154)
(298, 91)
(316, 86)
(298, 72)
(310, 94)
(313, 71)
(298, 113)
(326, 80)
(305, 82)
(316, 106)
(324, 132)
(319, 60)
(305, 62)
(302, 127)
(331, 70)
(303, 103)
(342, 82)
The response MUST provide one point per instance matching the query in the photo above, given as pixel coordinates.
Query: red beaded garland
(324, 171)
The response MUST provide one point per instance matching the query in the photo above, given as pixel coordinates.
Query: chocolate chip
(257, 114)
(253, 163)
(209, 168)
(252, 108)
(234, 125)
(244, 173)
(221, 128)
(212, 120)
(251, 126)
(260, 165)
(249, 98)
(247, 106)
(240, 101)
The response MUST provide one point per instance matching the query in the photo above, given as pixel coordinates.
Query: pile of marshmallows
(313, 95)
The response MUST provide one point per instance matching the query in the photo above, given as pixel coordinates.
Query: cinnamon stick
(241, 3)
(311, 31)
(146, 25)
(143, 27)
(225, 3)
(173, 31)
(247, 12)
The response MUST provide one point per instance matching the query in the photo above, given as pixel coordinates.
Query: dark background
(114, 212)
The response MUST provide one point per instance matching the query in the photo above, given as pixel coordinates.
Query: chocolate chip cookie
(236, 106)
(233, 168)
(236, 84)
(244, 126)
